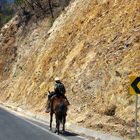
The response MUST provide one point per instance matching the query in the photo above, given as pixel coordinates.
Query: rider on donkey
(59, 90)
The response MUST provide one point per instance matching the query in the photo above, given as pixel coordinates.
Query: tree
(6, 11)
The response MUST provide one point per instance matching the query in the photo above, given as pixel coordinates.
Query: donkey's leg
(57, 124)
(64, 121)
(51, 119)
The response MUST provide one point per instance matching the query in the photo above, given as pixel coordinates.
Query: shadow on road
(68, 134)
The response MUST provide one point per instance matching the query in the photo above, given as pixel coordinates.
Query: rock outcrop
(93, 46)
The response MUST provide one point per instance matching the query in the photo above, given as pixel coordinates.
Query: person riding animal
(59, 90)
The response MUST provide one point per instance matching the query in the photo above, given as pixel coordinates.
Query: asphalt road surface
(13, 127)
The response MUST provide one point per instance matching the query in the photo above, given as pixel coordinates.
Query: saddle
(60, 97)
(55, 97)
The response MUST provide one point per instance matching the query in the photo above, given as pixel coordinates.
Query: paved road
(13, 127)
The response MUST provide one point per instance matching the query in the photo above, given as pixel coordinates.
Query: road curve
(17, 128)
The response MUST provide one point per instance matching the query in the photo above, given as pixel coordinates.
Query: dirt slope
(93, 46)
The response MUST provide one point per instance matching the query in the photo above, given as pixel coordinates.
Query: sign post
(135, 90)
(136, 116)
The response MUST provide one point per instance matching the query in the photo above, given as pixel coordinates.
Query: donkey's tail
(63, 111)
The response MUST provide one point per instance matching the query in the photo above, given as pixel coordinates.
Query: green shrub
(6, 13)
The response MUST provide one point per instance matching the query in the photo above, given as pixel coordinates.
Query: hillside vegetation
(6, 11)
(93, 46)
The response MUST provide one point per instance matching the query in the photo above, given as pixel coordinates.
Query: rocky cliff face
(93, 46)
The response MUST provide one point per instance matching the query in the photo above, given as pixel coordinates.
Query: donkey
(59, 107)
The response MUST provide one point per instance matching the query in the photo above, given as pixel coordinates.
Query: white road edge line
(22, 116)
(42, 128)
(35, 125)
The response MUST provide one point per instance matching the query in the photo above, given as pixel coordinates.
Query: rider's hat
(57, 79)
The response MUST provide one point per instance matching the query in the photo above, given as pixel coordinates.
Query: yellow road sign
(134, 87)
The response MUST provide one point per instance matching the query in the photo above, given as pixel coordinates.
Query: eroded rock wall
(93, 46)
